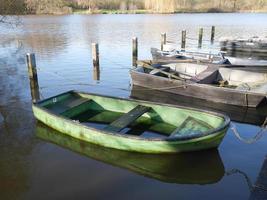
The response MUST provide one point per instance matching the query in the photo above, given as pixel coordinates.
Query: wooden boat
(253, 116)
(254, 44)
(173, 55)
(132, 125)
(222, 85)
(204, 57)
(172, 168)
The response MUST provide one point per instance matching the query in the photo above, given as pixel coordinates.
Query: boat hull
(200, 91)
(126, 142)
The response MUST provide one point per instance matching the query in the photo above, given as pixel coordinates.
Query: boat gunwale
(174, 59)
(183, 138)
(202, 85)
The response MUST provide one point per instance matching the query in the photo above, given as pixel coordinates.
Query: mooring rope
(74, 82)
(251, 186)
(255, 138)
(196, 39)
(237, 171)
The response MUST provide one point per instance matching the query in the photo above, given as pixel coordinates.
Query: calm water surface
(36, 163)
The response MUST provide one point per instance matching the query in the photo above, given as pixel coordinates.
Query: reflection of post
(96, 74)
(163, 40)
(212, 34)
(233, 48)
(135, 50)
(183, 40)
(95, 56)
(32, 72)
(200, 37)
(259, 190)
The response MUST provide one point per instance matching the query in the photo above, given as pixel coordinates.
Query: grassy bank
(104, 11)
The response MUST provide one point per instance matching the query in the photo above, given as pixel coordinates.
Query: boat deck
(134, 122)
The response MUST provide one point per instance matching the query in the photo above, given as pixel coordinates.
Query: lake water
(37, 163)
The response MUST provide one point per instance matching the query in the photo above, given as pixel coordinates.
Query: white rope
(237, 171)
(249, 182)
(252, 140)
(74, 82)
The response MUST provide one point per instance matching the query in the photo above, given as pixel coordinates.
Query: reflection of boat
(125, 123)
(203, 167)
(221, 85)
(240, 114)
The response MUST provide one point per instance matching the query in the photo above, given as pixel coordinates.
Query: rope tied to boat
(251, 186)
(255, 138)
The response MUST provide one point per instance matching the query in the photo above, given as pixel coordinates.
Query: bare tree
(9, 11)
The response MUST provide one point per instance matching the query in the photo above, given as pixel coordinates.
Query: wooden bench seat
(75, 107)
(126, 119)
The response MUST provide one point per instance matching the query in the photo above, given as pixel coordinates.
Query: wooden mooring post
(163, 40)
(32, 72)
(212, 34)
(200, 37)
(183, 40)
(96, 65)
(135, 50)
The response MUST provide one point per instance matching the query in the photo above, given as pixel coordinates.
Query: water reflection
(62, 45)
(191, 168)
(259, 190)
(16, 125)
(45, 44)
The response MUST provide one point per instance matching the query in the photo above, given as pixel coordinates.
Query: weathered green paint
(172, 168)
(158, 112)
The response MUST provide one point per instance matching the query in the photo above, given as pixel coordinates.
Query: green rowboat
(202, 167)
(132, 125)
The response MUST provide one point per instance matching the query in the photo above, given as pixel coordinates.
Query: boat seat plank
(191, 126)
(159, 69)
(77, 102)
(208, 76)
(127, 119)
(75, 107)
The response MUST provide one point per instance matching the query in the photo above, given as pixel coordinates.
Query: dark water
(36, 163)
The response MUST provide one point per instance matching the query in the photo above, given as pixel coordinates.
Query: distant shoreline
(87, 12)
(138, 12)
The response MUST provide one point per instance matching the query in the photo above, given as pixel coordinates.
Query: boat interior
(235, 78)
(131, 117)
(187, 55)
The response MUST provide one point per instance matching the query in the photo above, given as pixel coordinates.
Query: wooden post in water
(135, 50)
(163, 40)
(200, 37)
(95, 56)
(183, 40)
(212, 34)
(32, 72)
